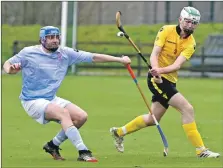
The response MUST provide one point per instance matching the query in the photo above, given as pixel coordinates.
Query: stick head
(119, 24)
(165, 152)
(118, 19)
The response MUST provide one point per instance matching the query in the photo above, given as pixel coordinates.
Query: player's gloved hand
(125, 60)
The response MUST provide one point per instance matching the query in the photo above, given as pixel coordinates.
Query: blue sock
(59, 138)
(74, 136)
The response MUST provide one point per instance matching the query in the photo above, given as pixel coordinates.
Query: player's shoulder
(31, 48)
(167, 28)
(192, 39)
(62, 49)
(191, 43)
(66, 49)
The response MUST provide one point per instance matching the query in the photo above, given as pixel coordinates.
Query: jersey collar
(178, 30)
(50, 53)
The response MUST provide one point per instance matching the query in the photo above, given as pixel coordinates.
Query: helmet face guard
(190, 15)
(48, 31)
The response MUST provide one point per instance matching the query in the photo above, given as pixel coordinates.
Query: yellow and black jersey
(173, 46)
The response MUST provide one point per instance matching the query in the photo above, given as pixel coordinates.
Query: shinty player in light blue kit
(43, 69)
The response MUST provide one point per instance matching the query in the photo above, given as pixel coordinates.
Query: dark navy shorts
(162, 92)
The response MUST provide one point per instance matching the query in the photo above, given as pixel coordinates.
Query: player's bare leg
(78, 115)
(189, 125)
(135, 125)
(54, 112)
(158, 110)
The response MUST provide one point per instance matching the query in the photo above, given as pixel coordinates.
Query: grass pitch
(112, 101)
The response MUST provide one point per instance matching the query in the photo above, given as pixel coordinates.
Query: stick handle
(131, 72)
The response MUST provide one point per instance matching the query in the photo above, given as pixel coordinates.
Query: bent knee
(79, 117)
(83, 117)
(149, 121)
(189, 108)
(186, 108)
(188, 111)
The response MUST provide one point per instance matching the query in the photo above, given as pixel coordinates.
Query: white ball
(120, 34)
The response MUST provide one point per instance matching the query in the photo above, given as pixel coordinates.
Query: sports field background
(102, 33)
(113, 101)
(109, 100)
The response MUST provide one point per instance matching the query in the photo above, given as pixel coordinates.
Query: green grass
(100, 33)
(112, 101)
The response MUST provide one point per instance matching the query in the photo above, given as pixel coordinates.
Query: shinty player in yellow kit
(173, 46)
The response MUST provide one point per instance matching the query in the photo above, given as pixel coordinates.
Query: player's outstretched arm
(11, 68)
(108, 58)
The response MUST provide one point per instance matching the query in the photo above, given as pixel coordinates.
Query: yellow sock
(194, 136)
(134, 125)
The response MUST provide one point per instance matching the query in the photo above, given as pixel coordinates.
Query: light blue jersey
(42, 73)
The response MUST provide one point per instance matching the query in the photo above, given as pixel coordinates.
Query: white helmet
(190, 13)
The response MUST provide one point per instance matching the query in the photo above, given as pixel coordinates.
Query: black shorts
(162, 92)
